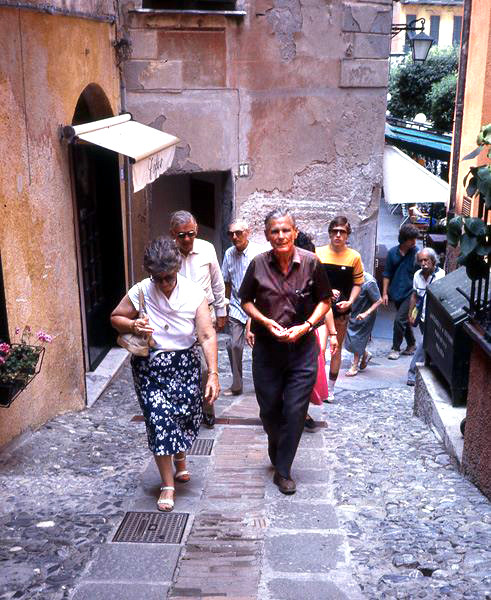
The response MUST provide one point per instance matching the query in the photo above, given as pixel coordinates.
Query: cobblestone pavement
(380, 512)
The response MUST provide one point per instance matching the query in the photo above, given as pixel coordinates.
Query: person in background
(326, 330)
(200, 264)
(345, 271)
(286, 293)
(167, 382)
(360, 325)
(429, 272)
(234, 266)
(398, 286)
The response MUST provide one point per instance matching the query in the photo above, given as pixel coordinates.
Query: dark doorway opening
(208, 196)
(99, 230)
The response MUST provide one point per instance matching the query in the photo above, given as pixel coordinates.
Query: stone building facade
(276, 103)
(57, 67)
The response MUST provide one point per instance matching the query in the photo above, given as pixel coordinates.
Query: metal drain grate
(201, 447)
(152, 528)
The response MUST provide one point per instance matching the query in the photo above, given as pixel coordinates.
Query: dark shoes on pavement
(209, 420)
(231, 392)
(310, 425)
(285, 485)
(409, 351)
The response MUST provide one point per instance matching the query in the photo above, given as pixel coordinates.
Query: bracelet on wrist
(212, 373)
(334, 333)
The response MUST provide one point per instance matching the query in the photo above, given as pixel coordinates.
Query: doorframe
(78, 258)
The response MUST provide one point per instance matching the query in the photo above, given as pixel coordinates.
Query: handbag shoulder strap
(141, 302)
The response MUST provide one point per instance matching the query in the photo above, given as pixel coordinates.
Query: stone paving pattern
(381, 511)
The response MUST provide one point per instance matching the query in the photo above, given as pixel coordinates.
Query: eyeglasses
(167, 278)
(340, 231)
(184, 234)
(235, 233)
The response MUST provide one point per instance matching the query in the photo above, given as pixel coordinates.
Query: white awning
(151, 151)
(407, 182)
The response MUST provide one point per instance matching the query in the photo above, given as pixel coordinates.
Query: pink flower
(2, 360)
(44, 337)
(4, 348)
(17, 330)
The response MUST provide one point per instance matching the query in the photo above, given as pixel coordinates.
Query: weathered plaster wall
(92, 7)
(297, 90)
(477, 99)
(45, 63)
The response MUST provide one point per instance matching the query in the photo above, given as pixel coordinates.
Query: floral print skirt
(168, 386)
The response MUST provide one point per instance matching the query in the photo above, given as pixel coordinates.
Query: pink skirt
(320, 391)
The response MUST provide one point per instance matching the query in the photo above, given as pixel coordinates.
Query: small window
(4, 330)
(457, 30)
(409, 34)
(435, 29)
(207, 5)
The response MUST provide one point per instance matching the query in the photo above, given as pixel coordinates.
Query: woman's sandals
(353, 370)
(181, 476)
(166, 504)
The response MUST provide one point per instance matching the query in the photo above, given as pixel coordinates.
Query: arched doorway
(99, 229)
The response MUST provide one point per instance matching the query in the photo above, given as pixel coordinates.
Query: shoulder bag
(139, 345)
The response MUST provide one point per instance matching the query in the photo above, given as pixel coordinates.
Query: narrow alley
(381, 511)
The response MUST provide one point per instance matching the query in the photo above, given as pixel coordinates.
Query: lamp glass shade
(420, 46)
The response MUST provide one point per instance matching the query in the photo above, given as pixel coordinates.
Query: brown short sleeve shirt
(288, 299)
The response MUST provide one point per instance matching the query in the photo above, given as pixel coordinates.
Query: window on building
(4, 330)
(435, 28)
(409, 34)
(457, 30)
(207, 5)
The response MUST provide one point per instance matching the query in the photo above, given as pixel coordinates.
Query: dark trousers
(235, 349)
(284, 375)
(402, 327)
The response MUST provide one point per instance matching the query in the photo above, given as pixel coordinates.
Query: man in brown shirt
(285, 292)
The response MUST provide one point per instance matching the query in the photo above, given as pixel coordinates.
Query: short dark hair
(278, 213)
(162, 256)
(339, 221)
(304, 240)
(408, 232)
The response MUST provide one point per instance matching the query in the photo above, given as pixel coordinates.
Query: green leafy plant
(412, 88)
(18, 362)
(473, 234)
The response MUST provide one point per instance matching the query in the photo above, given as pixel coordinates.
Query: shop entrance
(208, 196)
(99, 230)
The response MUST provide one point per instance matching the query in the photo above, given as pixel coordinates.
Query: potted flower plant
(19, 363)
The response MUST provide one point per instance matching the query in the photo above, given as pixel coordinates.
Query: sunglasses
(340, 231)
(235, 233)
(164, 278)
(184, 234)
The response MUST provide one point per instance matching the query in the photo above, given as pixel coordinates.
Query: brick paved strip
(223, 553)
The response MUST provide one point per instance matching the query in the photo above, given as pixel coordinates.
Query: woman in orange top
(345, 271)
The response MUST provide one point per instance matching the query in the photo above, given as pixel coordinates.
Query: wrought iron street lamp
(420, 43)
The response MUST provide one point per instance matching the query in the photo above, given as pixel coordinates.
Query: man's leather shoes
(286, 486)
(231, 392)
(209, 420)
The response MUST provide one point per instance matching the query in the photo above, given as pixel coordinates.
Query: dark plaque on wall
(446, 345)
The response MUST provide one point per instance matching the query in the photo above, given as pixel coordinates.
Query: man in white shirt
(200, 264)
(234, 266)
(427, 274)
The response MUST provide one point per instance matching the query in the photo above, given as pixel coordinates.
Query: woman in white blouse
(167, 382)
